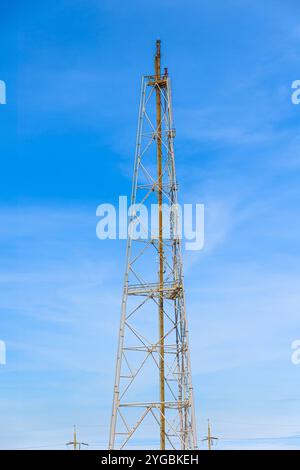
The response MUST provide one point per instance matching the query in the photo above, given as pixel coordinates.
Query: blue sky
(72, 70)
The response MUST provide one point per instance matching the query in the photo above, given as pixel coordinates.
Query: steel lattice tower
(153, 404)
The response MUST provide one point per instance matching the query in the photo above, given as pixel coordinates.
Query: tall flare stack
(153, 403)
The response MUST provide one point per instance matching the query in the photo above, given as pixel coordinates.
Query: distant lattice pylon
(75, 443)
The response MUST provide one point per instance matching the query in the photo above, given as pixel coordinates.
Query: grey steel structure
(153, 403)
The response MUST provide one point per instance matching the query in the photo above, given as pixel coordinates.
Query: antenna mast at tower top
(153, 385)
